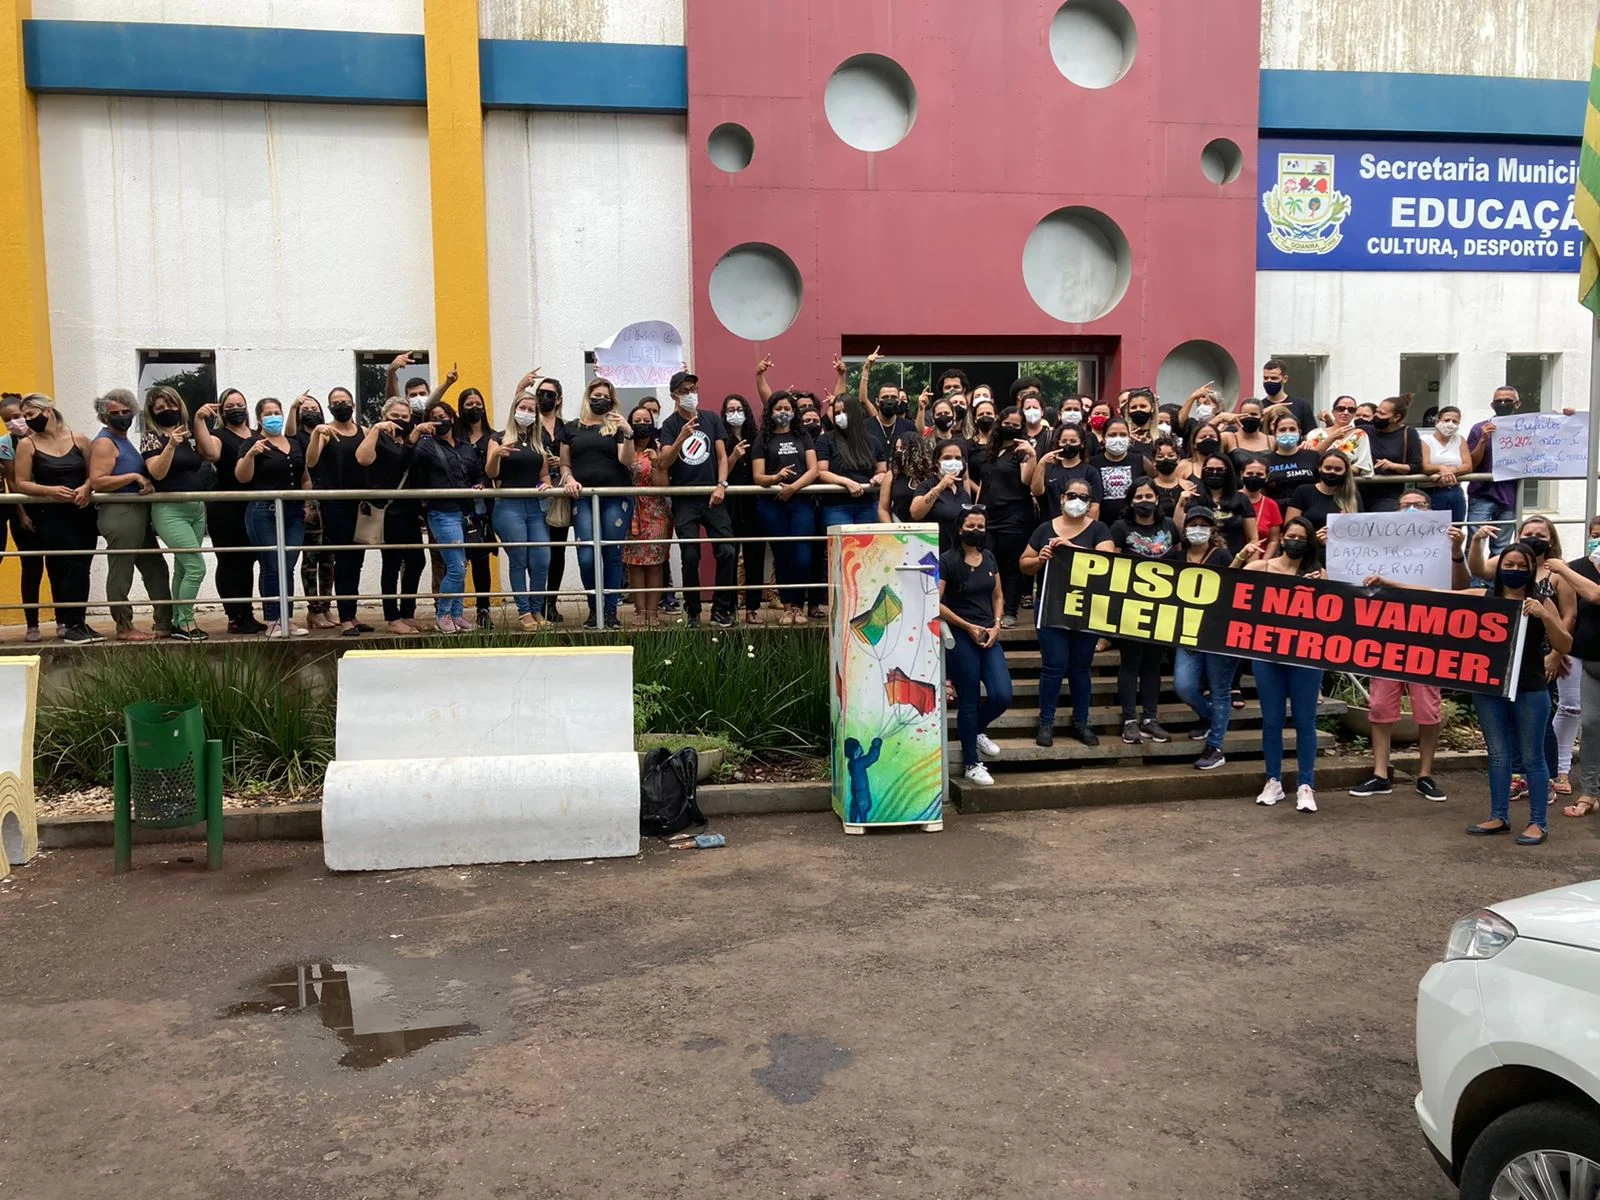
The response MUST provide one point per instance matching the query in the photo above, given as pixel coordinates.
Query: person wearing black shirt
(1232, 514)
(1066, 653)
(517, 460)
(1067, 462)
(1204, 681)
(1288, 466)
(236, 571)
(598, 452)
(1334, 492)
(1582, 576)
(970, 601)
(178, 460)
(888, 413)
(1396, 450)
(316, 564)
(477, 516)
(786, 460)
(1143, 533)
(910, 466)
(331, 463)
(1116, 469)
(274, 462)
(386, 455)
(52, 461)
(696, 450)
(742, 509)
(551, 430)
(854, 456)
(1007, 493)
(942, 497)
(1275, 389)
(1171, 491)
(816, 597)
(444, 460)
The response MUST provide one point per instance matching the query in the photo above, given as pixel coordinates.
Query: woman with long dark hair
(1233, 514)
(445, 461)
(645, 556)
(236, 569)
(1007, 494)
(910, 466)
(852, 455)
(478, 515)
(742, 509)
(785, 459)
(274, 462)
(331, 463)
(175, 458)
(386, 454)
(558, 510)
(969, 605)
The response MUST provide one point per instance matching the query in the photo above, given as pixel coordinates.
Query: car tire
(1551, 1125)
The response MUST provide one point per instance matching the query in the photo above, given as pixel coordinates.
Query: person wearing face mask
(1396, 450)
(1233, 515)
(1582, 578)
(1492, 500)
(1066, 654)
(1027, 397)
(1289, 465)
(888, 411)
(1275, 388)
(274, 462)
(1061, 466)
(970, 602)
(852, 455)
(645, 557)
(1208, 439)
(1285, 689)
(1198, 410)
(1334, 492)
(516, 461)
(23, 533)
(785, 460)
(1141, 413)
(386, 455)
(1444, 457)
(53, 461)
(1144, 533)
(597, 450)
(1245, 436)
(1100, 416)
(910, 467)
(558, 509)
(236, 569)
(943, 425)
(696, 450)
(1116, 469)
(475, 431)
(1269, 515)
(985, 417)
(742, 509)
(816, 577)
(1171, 489)
(179, 459)
(1344, 435)
(1168, 425)
(941, 497)
(1204, 681)
(303, 420)
(1007, 494)
(331, 448)
(445, 460)
(1072, 414)
(115, 465)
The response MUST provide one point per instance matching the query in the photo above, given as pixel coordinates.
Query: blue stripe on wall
(223, 62)
(584, 76)
(1367, 102)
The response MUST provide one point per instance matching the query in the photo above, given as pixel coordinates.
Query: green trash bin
(166, 775)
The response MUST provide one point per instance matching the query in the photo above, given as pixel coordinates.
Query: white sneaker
(986, 747)
(1270, 794)
(1305, 800)
(979, 774)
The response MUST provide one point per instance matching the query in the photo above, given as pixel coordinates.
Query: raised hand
(401, 361)
(764, 365)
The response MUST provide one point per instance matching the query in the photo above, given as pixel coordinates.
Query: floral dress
(652, 518)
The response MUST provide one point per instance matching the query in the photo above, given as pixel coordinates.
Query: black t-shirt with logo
(782, 450)
(1145, 541)
(1285, 472)
(969, 591)
(696, 464)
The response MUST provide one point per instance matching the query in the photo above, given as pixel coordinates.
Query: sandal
(1583, 806)
(1238, 698)
(1561, 785)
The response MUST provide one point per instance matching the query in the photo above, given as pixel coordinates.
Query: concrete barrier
(449, 757)
(19, 827)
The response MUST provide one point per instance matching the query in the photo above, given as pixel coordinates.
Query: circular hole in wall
(871, 102)
(731, 147)
(756, 291)
(1093, 42)
(1076, 264)
(1193, 363)
(1221, 161)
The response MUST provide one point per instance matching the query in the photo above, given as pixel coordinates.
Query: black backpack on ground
(668, 782)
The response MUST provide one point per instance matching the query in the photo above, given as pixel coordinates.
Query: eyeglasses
(1344, 408)
(973, 510)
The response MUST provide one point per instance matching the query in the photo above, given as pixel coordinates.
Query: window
(1430, 381)
(1535, 376)
(191, 373)
(372, 379)
(1307, 373)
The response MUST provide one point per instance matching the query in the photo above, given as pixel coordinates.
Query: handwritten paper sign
(642, 355)
(1405, 547)
(1542, 446)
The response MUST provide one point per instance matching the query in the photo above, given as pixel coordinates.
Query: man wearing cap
(695, 453)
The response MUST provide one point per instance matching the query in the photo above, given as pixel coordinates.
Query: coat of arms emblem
(1305, 210)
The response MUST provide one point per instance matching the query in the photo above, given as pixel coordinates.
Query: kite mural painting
(888, 677)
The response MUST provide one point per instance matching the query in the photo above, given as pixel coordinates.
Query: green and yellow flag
(1588, 195)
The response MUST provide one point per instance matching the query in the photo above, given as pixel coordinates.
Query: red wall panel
(925, 239)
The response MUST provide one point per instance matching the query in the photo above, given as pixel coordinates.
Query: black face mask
(1145, 509)
(782, 420)
(235, 416)
(472, 415)
(1331, 479)
(168, 418)
(1208, 446)
(39, 424)
(1139, 418)
(1540, 546)
(1166, 466)
(943, 421)
(601, 405)
(1505, 408)
(1294, 548)
(814, 428)
(961, 412)
(985, 424)
(1253, 483)
(1515, 578)
(1071, 450)
(549, 402)
(973, 537)
(120, 422)
(1011, 431)
(1214, 476)
(342, 412)
(643, 431)
(309, 421)
(1250, 424)
(889, 408)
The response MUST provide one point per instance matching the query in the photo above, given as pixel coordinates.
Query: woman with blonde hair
(177, 459)
(597, 451)
(52, 462)
(516, 459)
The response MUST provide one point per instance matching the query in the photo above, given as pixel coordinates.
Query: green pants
(182, 527)
(127, 527)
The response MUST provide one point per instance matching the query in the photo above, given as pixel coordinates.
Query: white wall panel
(368, 16)
(650, 22)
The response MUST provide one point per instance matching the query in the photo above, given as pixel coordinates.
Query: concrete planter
(1358, 721)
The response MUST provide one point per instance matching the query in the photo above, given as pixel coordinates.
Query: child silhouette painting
(860, 788)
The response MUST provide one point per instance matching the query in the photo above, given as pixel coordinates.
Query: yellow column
(455, 163)
(25, 363)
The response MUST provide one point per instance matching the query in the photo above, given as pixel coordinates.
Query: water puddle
(357, 1004)
(798, 1066)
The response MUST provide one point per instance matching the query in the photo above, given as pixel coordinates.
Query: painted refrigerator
(889, 762)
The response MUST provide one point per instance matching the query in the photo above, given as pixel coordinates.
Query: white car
(1508, 1048)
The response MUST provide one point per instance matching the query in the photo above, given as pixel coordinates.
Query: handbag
(558, 511)
(369, 518)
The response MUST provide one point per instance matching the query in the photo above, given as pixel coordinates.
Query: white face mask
(1202, 412)
(1198, 536)
(1117, 445)
(1033, 415)
(735, 419)
(1448, 428)
(1072, 417)
(949, 466)
(524, 418)
(691, 401)
(1164, 429)
(841, 421)
(1075, 506)
(418, 403)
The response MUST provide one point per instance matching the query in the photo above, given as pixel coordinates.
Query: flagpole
(1592, 479)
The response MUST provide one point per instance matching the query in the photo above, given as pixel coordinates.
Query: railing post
(599, 563)
(283, 569)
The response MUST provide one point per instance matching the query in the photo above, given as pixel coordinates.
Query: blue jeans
(446, 530)
(1482, 509)
(1450, 500)
(839, 510)
(1513, 730)
(791, 561)
(1065, 654)
(522, 520)
(969, 667)
(1282, 688)
(616, 515)
(262, 529)
(1193, 672)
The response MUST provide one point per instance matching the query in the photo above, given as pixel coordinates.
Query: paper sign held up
(1541, 446)
(642, 355)
(1412, 548)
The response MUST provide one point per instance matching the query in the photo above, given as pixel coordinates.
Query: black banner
(1446, 639)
